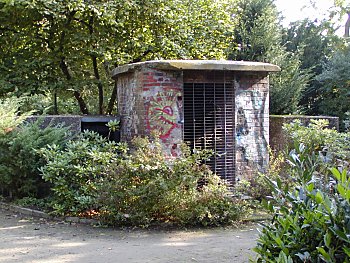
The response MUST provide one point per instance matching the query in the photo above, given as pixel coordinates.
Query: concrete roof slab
(228, 65)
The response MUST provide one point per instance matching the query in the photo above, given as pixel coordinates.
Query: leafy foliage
(76, 170)
(314, 41)
(20, 161)
(311, 220)
(145, 188)
(317, 137)
(138, 187)
(336, 83)
(257, 31)
(9, 115)
(259, 38)
(67, 49)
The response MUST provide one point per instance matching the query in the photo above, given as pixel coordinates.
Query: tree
(335, 79)
(68, 48)
(259, 38)
(315, 42)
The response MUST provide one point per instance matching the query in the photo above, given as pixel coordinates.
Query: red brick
(154, 84)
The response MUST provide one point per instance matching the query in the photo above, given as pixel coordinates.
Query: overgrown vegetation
(9, 115)
(19, 142)
(317, 137)
(145, 187)
(76, 172)
(20, 161)
(311, 221)
(136, 186)
(91, 176)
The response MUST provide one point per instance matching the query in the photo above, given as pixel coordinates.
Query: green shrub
(256, 187)
(311, 220)
(145, 188)
(20, 161)
(9, 115)
(34, 203)
(318, 138)
(137, 186)
(76, 171)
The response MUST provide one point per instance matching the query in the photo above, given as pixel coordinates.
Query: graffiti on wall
(163, 111)
(251, 144)
(242, 124)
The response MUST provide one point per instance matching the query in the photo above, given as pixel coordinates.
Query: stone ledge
(197, 65)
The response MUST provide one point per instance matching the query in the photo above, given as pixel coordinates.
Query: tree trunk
(55, 104)
(112, 99)
(99, 85)
(77, 95)
(347, 25)
(64, 67)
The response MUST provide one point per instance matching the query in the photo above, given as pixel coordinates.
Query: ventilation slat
(209, 123)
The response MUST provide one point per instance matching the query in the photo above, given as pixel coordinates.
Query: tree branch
(64, 67)
(90, 26)
(138, 59)
(99, 85)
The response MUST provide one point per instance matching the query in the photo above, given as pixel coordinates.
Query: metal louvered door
(209, 123)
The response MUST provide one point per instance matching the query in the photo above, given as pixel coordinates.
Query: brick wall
(151, 100)
(252, 124)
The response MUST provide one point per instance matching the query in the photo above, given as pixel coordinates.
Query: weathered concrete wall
(252, 123)
(75, 123)
(129, 102)
(151, 100)
(71, 121)
(278, 139)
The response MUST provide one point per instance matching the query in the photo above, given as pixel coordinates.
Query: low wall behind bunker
(78, 123)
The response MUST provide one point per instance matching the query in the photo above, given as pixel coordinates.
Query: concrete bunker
(217, 105)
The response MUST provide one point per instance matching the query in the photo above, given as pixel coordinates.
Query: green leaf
(310, 187)
(336, 173)
(347, 251)
(325, 256)
(341, 190)
(319, 197)
(342, 236)
(327, 239)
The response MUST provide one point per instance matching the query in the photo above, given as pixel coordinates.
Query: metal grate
(209, 123)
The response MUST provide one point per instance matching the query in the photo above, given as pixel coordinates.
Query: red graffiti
(161, 113)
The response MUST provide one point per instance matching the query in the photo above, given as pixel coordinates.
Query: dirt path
(29, 240)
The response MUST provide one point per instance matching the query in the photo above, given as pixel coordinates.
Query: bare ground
(32, 240)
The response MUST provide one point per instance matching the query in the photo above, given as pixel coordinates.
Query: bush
(137, 186)
(76, 170)
(318, 138)
(9, 115)
(20, 161)
(311, 221)
(145, 188)
(256, 187)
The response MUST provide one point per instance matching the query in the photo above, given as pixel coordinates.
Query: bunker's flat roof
(198, 65)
